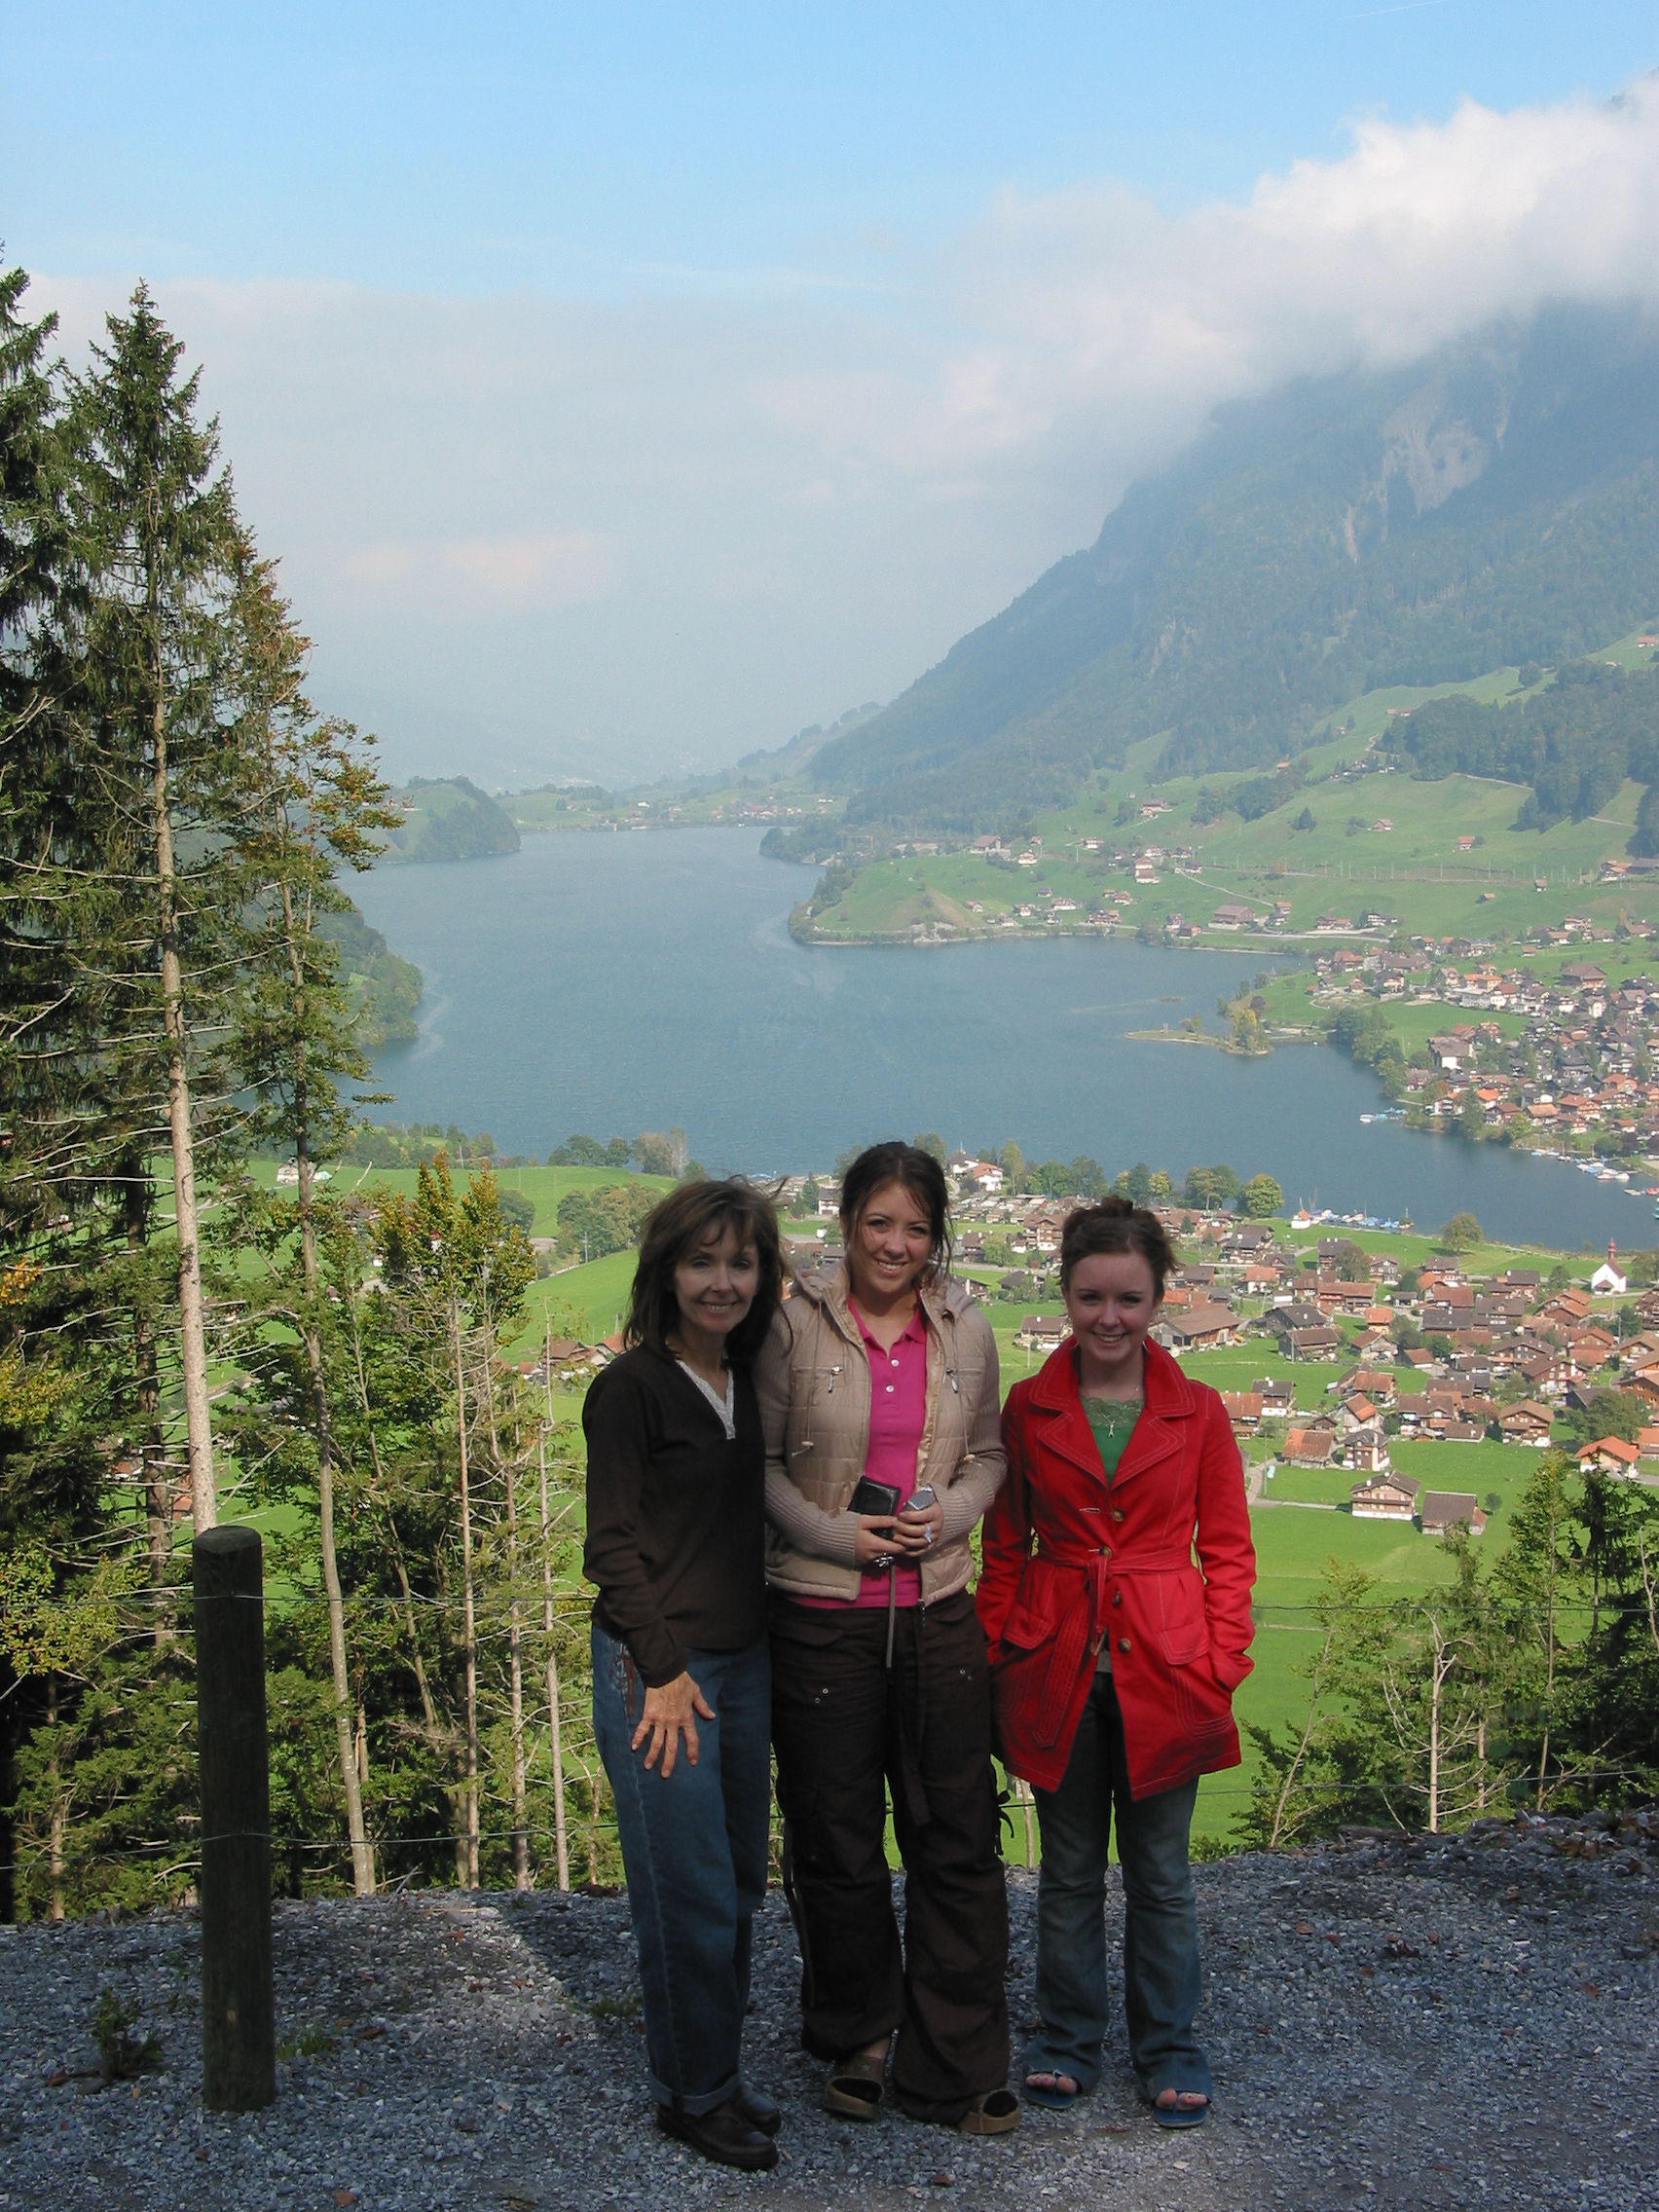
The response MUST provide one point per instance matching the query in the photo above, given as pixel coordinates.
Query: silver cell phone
(919, 1500)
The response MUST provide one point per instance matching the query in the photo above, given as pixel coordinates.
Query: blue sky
(643, 383)
(594, 152)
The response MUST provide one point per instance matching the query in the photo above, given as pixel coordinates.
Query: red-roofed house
(1310, 1447)
(1608, 1455)
(1243, 1410)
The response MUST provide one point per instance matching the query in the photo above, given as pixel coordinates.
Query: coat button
(1116, 1513)
(1117, 1596)
(1123, 1644)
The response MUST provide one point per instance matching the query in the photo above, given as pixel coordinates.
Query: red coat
(1118, 1564)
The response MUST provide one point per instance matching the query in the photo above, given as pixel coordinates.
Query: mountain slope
(1495, 504)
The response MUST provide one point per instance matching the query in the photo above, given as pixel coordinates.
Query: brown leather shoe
(759, 2112)
(723, 2135)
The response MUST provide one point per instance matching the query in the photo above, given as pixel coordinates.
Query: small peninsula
(448, 819)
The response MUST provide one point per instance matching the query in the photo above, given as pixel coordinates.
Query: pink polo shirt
(897, 1413)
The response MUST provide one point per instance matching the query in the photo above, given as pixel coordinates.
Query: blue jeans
(1162, 1983)
(694, 1854)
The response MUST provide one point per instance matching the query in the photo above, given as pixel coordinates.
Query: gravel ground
(1470, 2023)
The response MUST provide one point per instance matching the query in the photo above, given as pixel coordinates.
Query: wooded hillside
(1494, 505)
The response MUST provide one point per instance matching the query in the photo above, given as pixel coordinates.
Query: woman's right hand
(875, 1540)
(669, 1712)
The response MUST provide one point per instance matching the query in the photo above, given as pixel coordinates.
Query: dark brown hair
(921, 1175)
(1117, 1224)
(675, 1227)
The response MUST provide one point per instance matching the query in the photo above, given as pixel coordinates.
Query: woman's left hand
(918, 1531)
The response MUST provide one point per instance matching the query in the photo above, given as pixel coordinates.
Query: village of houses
(1503, 1357)
(1441, 1353)
(1581, 1072)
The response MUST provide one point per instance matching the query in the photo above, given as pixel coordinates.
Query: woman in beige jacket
(882, 1368)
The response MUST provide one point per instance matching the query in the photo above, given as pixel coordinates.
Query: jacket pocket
(1027, 1627)
(1184, 1646)
(1042, 1647)
(1203, 1707)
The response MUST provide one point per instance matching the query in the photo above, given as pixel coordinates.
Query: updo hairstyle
(1117, 1224)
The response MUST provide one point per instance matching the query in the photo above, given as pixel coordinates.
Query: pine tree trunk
(561, 1841)
(152, 1446)
(193, 1340)
(1480, 1764)
(437, 1735)
(362, 1854)
(54, 1909)
(515, 1652)
(1549, 1667)
(466, 1612)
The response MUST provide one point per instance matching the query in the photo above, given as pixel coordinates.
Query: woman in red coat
(1114, 1656)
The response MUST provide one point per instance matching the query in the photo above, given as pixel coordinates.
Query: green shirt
(1113, 1421)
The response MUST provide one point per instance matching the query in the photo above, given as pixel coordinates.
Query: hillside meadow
(1414, 869)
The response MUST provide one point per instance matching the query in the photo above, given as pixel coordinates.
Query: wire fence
(543, 1620)
(68, 1859)
(1264, 1612)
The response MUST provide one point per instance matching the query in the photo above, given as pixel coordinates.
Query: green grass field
(1414, 869)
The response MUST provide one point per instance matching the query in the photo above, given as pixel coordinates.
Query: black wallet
(874, 1497)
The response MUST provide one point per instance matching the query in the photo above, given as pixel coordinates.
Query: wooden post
(238, 2027)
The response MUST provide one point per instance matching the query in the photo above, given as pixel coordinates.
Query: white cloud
(1098, 301)
(524, 528)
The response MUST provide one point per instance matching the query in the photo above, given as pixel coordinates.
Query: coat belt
(1169, 1562)
(1085, 1619)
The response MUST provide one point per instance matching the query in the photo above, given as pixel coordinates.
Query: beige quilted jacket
(813, 1381)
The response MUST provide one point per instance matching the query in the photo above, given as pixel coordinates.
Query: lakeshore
(619, 982)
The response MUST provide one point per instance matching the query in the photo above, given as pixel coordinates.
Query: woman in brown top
(681, 1697)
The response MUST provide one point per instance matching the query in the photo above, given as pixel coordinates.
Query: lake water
(632, 982)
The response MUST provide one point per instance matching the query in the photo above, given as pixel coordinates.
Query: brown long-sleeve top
(675, 1524)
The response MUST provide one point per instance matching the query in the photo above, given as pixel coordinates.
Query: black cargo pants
(847, 1728)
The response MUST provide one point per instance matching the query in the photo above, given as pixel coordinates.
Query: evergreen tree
(291, 1040)
(1534, 1579)
(89, 1671)
(166, 768)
